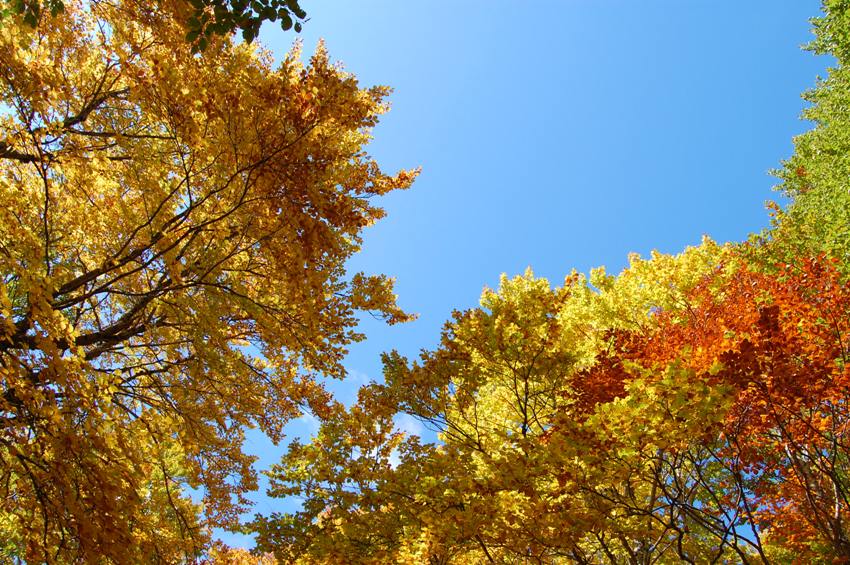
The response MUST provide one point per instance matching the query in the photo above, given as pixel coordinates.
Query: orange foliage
(780, 342)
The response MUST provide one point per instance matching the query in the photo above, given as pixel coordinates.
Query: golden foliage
(173, 233)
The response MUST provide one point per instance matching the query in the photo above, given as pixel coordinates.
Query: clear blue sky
(558, 135)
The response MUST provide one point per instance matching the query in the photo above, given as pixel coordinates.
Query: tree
(496, 487)
(728, 435)
(173, 234)
(714, 429)
(739, 409)
(815, 176)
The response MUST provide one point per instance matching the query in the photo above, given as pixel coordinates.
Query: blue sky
(557, 135)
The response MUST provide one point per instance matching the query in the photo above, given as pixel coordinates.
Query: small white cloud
(358, 377)
(408, 424)
(411, 427)
(345, 391)
(304, 427)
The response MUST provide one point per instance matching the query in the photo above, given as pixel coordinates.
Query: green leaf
(56, 8)
(296, 9)
(285, 22)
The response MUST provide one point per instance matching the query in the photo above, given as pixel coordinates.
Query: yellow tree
(517, 472)
(173, 233)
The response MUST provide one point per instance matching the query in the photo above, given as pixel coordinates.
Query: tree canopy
(176, 213)
(692, 408)
(173, 271)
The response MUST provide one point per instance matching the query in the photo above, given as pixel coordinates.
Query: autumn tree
(501, 485)
(173, 234)
(707, 423)
(738, 408)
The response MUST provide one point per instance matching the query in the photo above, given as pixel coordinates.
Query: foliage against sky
(693, 408)
(815, 177)
(175, 230)
(173, 271)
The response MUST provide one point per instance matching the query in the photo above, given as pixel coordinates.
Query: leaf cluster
(222, 17)
(203, 19)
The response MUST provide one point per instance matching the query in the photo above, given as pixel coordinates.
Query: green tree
(816, 177)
